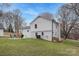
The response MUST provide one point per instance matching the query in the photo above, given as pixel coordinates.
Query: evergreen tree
(10, 29)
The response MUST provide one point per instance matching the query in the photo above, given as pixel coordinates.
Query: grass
(36, 47)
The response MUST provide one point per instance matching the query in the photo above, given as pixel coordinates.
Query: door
(37, 36)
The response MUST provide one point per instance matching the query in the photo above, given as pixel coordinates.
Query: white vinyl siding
(1, 32)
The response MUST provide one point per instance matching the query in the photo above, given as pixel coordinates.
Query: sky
(31, 10)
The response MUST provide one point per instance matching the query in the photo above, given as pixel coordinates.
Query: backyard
(37, 47)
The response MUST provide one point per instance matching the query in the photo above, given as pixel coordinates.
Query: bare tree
(11, 19)
(18, 20)
(8, 18)
(74, 34)
(69, 16)
(4, 15)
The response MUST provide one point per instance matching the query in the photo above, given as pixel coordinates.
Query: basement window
(27, 30)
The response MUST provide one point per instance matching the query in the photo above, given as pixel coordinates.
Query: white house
(1, 30)
(45, 27)
(26, 32)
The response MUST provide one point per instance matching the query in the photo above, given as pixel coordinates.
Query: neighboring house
(26, 32)
(45, 27)
(1, 30)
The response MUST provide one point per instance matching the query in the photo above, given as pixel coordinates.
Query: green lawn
(36, 47)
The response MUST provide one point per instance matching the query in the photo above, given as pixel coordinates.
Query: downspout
(59, 32)
(52, 30)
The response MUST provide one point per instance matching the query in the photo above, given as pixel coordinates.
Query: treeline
(11, 19)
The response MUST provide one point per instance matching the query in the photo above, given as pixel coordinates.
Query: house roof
(1, 26)
(47, 16)
(27, 27)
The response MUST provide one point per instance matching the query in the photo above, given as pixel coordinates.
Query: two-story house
(44, 26)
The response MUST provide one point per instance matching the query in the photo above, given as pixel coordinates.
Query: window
(27, 30)
(35, 25)
(36, 33)
(42, 33)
